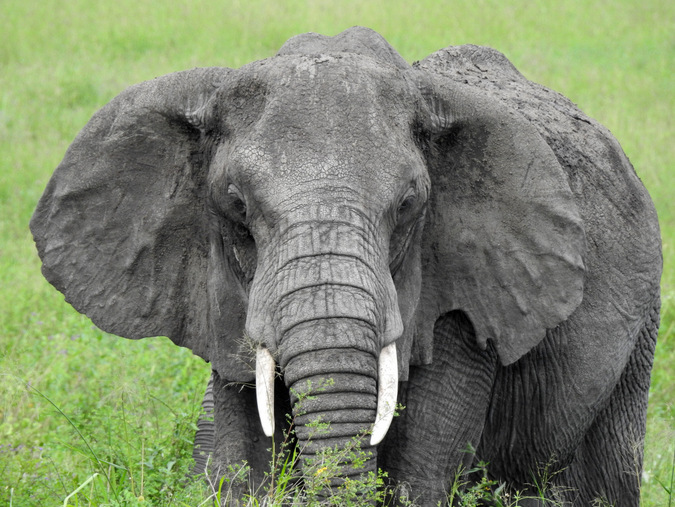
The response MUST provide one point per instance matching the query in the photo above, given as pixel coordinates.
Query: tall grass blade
(65, 502)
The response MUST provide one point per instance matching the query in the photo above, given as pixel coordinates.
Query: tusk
(387, 390)
(264, 388)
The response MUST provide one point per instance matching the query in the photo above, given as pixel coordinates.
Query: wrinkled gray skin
(332, 200)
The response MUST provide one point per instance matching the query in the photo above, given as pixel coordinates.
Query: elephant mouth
(387, 391)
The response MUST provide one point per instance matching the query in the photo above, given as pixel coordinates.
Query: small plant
(474, 487)
(484, 491)
(296, 480)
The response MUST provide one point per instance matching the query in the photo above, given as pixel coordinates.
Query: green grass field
(75, 401)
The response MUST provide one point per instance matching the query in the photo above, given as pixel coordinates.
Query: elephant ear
(503, 239)
(121, 227)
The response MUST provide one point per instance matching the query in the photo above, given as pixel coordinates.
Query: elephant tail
(205, 434)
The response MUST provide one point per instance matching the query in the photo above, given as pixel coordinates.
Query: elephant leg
(445, 406)
(205, 434)
(238, 434)
(608, 463)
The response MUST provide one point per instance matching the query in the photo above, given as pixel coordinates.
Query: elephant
(446, 236)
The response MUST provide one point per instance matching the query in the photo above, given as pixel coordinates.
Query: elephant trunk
(331, 316)
(339, 396)
(334, 397)
(333, 413)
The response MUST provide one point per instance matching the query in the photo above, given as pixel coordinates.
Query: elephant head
(329, 204)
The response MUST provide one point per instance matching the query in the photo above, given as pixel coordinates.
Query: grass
(74, 401)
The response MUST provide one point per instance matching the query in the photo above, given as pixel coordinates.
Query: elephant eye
(239, 207)
(242, 233)
(406, 204)
(237, 201)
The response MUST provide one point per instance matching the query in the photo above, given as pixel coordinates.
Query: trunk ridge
(332, 428)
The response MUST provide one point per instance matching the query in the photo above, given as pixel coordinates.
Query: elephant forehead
(331, 118)
(346, 92)
(286, 168)
(330, 97)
